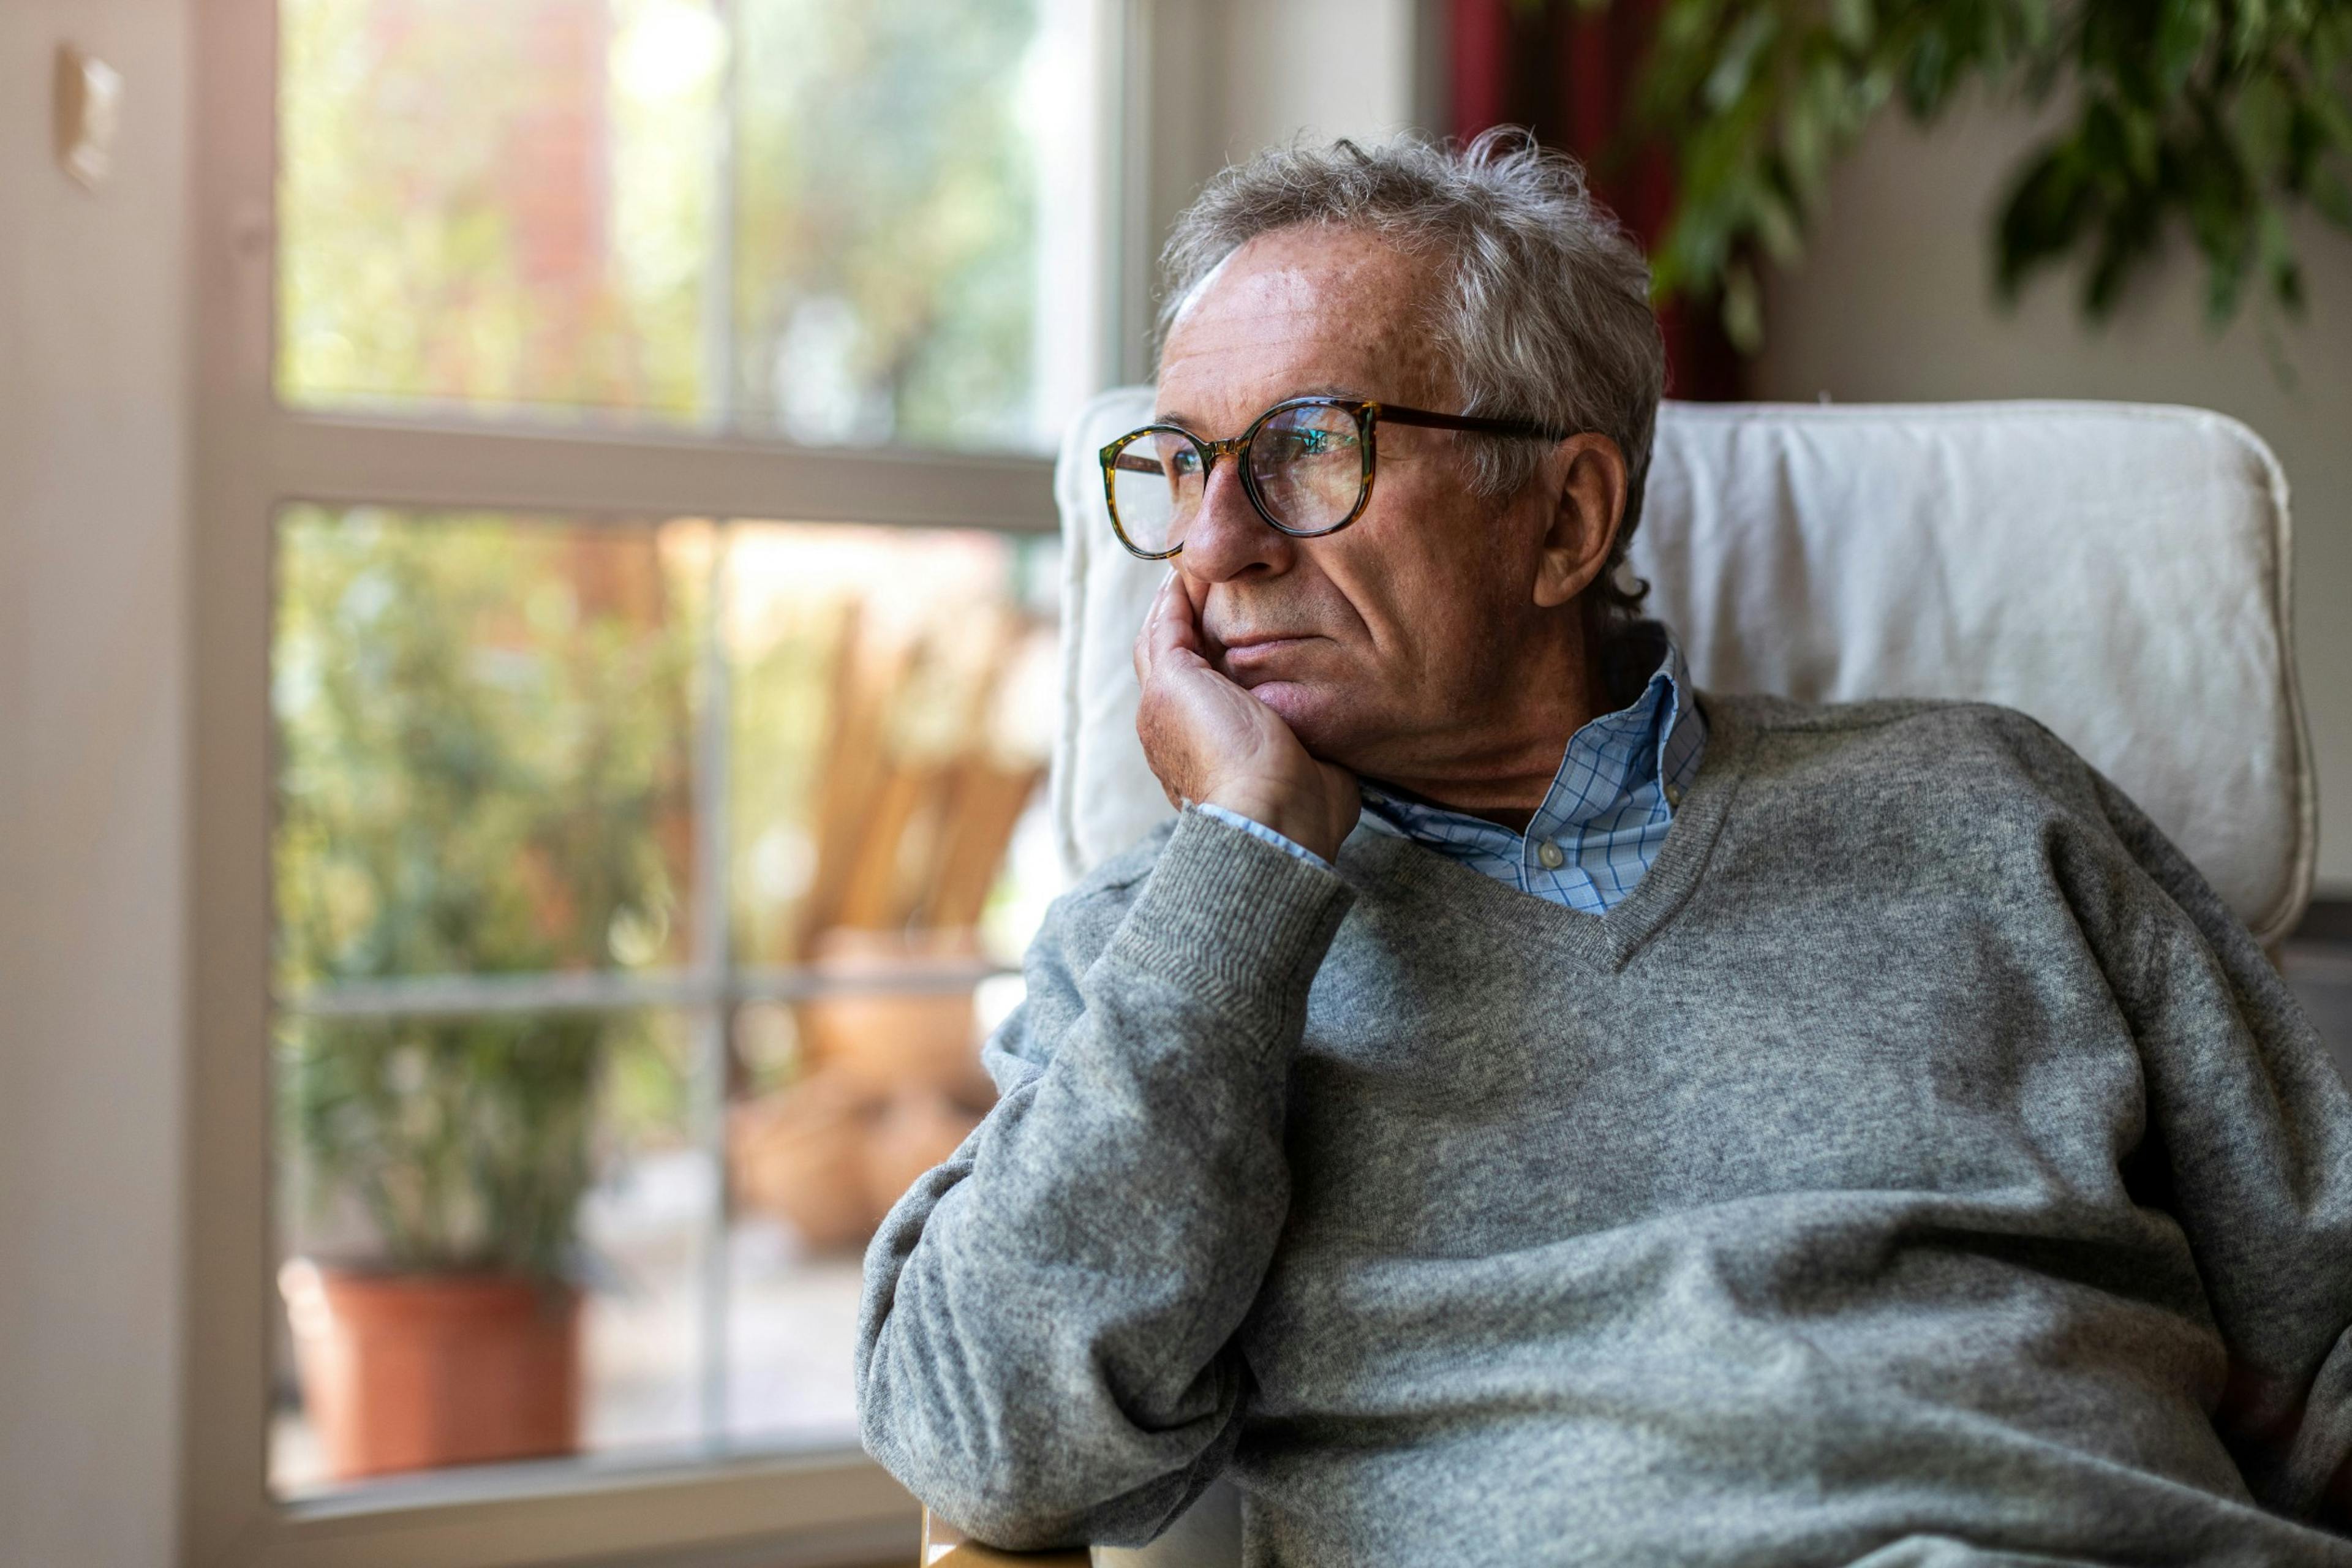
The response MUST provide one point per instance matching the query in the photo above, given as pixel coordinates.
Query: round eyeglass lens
(1156, 482)
(1307, 464)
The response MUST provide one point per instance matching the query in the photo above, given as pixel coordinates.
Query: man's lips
(1257, 649)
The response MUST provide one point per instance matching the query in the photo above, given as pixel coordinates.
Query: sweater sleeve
(2249, 1145)
(1043, 1351)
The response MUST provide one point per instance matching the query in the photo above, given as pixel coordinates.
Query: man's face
(1382, 645)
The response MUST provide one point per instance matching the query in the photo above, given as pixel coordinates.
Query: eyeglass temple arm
(1390, 414)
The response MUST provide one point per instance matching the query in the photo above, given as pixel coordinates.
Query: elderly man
(1527, 1109)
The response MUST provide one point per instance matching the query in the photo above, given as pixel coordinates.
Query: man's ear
(1589, 502)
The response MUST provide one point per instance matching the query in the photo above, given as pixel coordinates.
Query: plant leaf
(1736, 64)
(2182, 31)
(2045, 215)
(1851, 24)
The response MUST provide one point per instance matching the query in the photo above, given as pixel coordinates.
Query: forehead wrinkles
(1355, 304)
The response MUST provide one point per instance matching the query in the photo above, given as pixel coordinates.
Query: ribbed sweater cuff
(1245, 922)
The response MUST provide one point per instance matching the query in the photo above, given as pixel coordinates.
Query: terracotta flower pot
(411, 1372)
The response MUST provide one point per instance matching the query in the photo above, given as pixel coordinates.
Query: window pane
(892, 210)
(845, 1103)
(493, 1215)
(515, 1049)
(793, 1273)
(893, 704)
(497, 205)
(893, 712)
(492, 1231)
(833, 223)
(485, 733)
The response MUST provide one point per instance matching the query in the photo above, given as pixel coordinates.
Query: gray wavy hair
(1547, 315)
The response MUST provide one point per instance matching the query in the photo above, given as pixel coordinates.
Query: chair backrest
(2118, 571)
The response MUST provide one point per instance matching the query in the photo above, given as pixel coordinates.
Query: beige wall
(92, 734)
(1317, 68)
(1229, 77)
(1895, 302)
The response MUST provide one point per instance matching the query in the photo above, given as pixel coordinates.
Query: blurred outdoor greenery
(483, 729)
(487, 725)
(885, 219)
(813, 219)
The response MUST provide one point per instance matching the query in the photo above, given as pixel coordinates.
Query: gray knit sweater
(1921, 1167)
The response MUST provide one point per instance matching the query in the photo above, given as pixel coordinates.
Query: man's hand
(1212, 743)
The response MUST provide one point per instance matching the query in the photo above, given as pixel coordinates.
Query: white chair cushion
(2118, 571)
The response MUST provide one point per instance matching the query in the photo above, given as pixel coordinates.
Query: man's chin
(1307, 706)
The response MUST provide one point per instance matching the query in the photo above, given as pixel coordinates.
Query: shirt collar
(1651, 744)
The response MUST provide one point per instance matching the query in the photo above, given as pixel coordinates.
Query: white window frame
(252, 458)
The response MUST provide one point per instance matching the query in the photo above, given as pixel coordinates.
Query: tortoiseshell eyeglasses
(1306, 465)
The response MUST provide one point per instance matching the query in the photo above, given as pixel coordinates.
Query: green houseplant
(482, 741)
(2216, 118)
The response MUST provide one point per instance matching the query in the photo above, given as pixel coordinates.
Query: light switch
(89, 107)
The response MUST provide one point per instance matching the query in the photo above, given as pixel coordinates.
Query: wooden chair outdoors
(914, 805)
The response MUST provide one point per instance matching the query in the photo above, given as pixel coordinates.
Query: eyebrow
(1319, 389)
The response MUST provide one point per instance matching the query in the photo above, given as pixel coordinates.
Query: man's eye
(1185, 464)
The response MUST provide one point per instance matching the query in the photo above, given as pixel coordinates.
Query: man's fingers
(1150, 635)
(1177, 625)
(1168, 627)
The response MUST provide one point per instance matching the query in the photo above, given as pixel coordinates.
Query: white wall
(1896, 302)
(91, 584)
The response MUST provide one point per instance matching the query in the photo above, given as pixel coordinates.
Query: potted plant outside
(483, 734)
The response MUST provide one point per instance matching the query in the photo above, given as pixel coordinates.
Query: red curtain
(1568, 73)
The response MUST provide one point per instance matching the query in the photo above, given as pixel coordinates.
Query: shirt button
(1549, 853)
(1674, 795)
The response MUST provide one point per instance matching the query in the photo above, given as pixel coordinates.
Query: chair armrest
(945, 1547)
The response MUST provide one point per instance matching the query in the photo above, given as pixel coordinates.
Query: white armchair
(2118, 571)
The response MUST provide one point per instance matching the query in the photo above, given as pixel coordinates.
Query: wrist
(1301, 822)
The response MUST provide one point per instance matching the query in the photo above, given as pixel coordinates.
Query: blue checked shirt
(1603, 820)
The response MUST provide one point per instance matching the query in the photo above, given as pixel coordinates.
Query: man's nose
(1228, 539)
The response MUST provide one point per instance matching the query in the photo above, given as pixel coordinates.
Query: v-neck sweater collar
(1606, 940)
